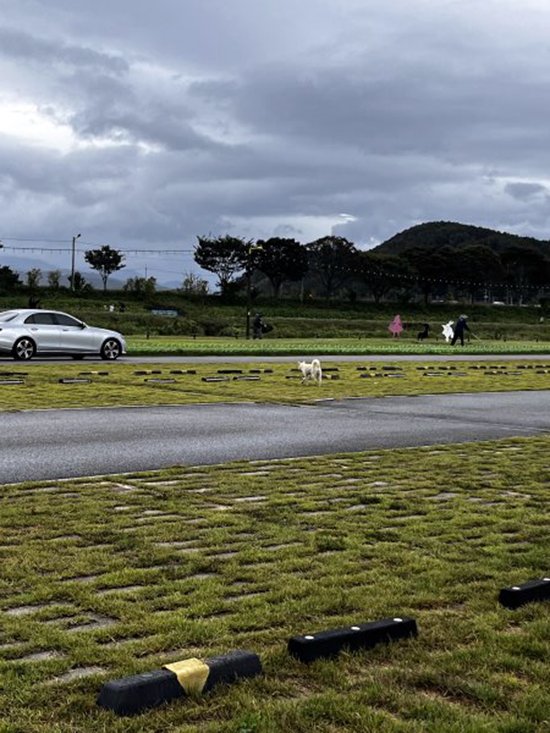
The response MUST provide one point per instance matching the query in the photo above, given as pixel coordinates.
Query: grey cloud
(436, 115)
(147, 126)
(23, 46)
(524, 191)
(201, 116)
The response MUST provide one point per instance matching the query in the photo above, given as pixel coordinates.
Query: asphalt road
(63, 443)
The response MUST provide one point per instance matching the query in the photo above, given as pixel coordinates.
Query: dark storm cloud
(438, 116)
(178, 119)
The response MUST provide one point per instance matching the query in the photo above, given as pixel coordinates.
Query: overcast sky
(142, 124)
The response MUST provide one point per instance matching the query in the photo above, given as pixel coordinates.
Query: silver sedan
(25, 333)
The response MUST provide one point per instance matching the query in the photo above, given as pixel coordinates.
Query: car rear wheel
(23, 349)
(111, 350)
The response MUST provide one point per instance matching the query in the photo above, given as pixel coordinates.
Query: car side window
(46, 319)
(64, 320)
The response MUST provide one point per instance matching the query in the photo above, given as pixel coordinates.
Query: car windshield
(6, 316)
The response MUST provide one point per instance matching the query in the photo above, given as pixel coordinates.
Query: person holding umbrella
(458, 330)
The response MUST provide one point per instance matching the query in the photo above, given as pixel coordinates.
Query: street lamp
(72, 261)
(251, 248)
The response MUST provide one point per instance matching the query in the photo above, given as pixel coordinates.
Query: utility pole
(72, 261)
(251, 248)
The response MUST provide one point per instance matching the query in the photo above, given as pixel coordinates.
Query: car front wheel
(23, 349)
(111, 350)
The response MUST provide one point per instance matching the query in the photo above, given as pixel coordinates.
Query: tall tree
(382, 274)
(9, 280)
(479, 265)
(332, 259)
(33, 278)
(524, 268)
(54, 279)
(433, 268)
(194, 285)
(80, 284)
(105, 260)
(281, 260)
(225, 256)
(144, 287)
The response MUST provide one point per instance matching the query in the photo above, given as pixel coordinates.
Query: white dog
(448, 331)
(311, 371)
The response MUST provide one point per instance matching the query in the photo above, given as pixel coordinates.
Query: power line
(23, 239)
(81, 251)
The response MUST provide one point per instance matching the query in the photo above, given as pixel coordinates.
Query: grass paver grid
(114, 576)
(122, 386)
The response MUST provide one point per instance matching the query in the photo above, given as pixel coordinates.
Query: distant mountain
(436, 234)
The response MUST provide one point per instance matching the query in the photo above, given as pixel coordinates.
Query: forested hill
(436, 234)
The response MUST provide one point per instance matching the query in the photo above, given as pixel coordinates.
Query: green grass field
(110, 576)
(181, 346)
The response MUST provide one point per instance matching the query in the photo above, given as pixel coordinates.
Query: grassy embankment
(293, 320)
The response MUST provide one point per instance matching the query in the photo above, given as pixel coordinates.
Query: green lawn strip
(106, 577)
(182, 346)
(122, 386)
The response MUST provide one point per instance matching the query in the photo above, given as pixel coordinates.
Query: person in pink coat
(396, 326)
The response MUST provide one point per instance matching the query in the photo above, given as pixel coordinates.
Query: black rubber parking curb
(309, 647)
(131, 695)
(517, 595)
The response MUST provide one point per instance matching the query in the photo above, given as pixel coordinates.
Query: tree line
(333, 267)
(104, 260)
